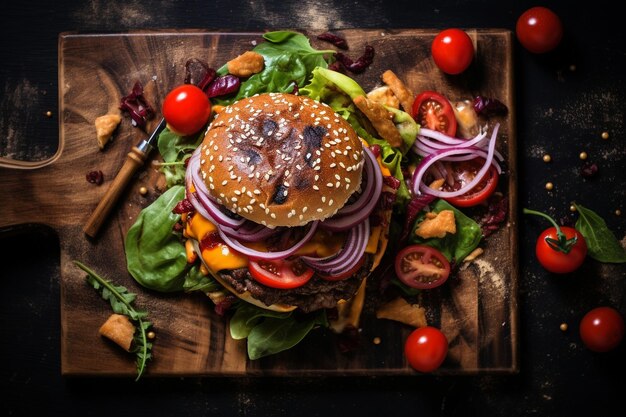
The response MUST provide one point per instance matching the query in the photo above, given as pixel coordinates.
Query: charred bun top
(281, 159)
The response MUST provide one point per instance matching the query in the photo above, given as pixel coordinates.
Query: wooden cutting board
(477, 309)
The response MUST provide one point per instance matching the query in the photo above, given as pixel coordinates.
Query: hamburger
(286, 198)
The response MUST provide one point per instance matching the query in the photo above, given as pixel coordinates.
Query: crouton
(119, 329)
(437, 226)
(246, 64)
(105, 126)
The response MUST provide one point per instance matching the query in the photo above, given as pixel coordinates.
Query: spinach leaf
(289, 58)
(155, 255)
(174, 149)
(453, 246)
(197, 281)
(269, 332)
(602, 245)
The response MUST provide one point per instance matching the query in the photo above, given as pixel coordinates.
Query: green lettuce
(174, 149)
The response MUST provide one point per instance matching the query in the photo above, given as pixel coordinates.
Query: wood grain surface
(477, 309)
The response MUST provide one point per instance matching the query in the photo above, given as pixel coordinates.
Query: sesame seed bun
(281, 159)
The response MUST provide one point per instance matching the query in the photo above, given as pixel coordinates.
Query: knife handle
(134, 161)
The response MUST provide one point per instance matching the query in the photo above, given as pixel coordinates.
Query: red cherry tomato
(434, 111)
(284, 274)
(539, 30)
(422, 267)
(602, 329)
(555, 260)
(186, 109)
(464, 172)
(452, 51)
(426, 348)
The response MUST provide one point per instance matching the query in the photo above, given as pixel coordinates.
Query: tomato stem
(562, 244)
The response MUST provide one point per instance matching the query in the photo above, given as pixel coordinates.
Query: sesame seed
(224, 182)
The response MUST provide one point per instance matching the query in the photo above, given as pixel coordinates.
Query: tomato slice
(422, 267)
(434, 111)
(283, 274)
(465, 171)
(346, 274)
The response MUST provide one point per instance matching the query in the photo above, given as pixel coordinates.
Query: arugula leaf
(122, 303)
(602, 245)
(155, 255)
(174, 150)
(270, 332)
(453, 246)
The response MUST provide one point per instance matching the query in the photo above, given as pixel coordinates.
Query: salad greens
(455, 247)
(269, 332)
(122, 303)
(289, 59)
(602, 245)
(337, 90)
(174, 150)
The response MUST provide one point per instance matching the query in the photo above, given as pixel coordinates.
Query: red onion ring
(270, 256)
(419, 187)
(343, 222)
(349, 255)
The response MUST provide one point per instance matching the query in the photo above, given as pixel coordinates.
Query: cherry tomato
(284, 274)
(426, 348)
(539, 30)
(602, 329)
(186, 109)
(555, 260)
(464, 172)
(422, 267)
(434, 111)
(452, 51)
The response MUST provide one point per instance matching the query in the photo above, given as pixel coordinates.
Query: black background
(565, 100)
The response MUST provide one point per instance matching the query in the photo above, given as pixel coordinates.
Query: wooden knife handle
(134, 161)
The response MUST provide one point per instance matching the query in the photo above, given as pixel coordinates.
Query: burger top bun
(281, 159)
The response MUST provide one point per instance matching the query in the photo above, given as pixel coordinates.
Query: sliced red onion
(250, 232)
(200, 199)
(256, 254)
(349, 255)
(419, 186)
(424, 146)
(366, 193)
(343, 222)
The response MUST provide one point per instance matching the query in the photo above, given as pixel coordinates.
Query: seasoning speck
(547, 158)
(618, 212)
(583, 155)
(151, 335)
(563, 327)
(48, 113)
(376, 340)
(605, 135)
(572, 208)
(549, 186)
(143, 191)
